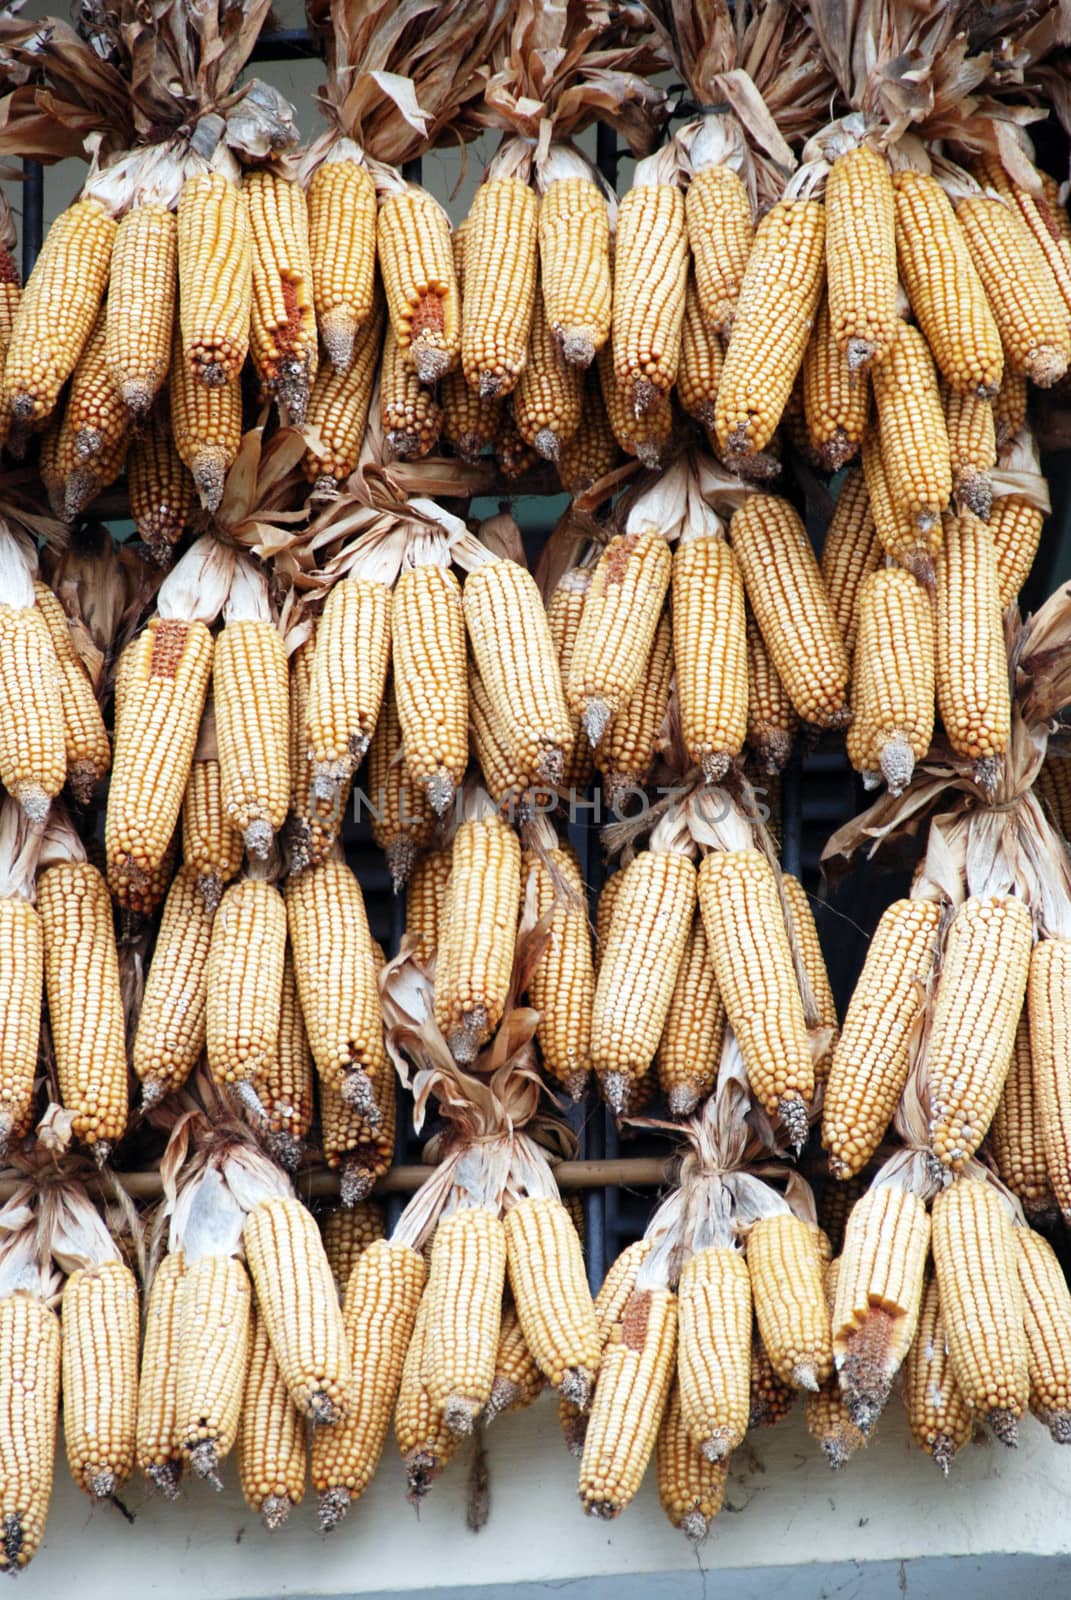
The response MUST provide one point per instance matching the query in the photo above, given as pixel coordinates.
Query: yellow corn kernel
(720, 233)
(417, 265)
(430, 680)
(871, 1059)
(976, 1261)
(877, 1297)
(785, 590)
(714, 1349)
(141, 304)
(341, 199)
(972, 667)
(215, 270)
(778, 302)
(501, 260)
(58, 308)
(85, 1005)
(861, 256)
(245, 982)
(944, 288)
(100, 1376)
(283, 322)
(749, 947)
(347, 1232)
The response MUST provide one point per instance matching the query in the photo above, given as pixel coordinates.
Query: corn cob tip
(401, 856)
(209, 472)
(771, 751)
(102, 1151)
(80, 490)
(325, 487)
(860, 353)
(205, 1462)
(574, 1432)
(274, 1511)
(987, 773)
(102, 1485)
(719, 1445)
(897, 763)
(503, 1394)
(291, 387)
(490, 385)
(13, 1540)
(210, 888)
(616, 1088)
(212, 374)
(357, 1091)
(577, 1386)
(645, 394)
(836, 450)
(792, 1110)
(683, 1098)
(355, 1182)
(804, 1376)
(441, 790)
(287, 1149)
(865, 1381)
(137, 396)
(596, 719)
(576, 346)
(82, 779)
(943, 1451)
(547, 444)
(165, 1478)
(460, 1414)
(974, 489)
(338, 331)
(1046, 365)
(604, 1510)
(152, 1092)
(1058, 1424)
(838, 1452)
(421, 1471)
(88, 443)
(432, 364)
(465, 1041)
(1004, 1425)
(715, 767)
(245, 1091)
(649, 454)
(694, 1526)
(332, 1507)
(258, 839)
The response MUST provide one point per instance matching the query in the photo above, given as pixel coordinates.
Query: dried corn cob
(89, 753)
(33, 754)
(793, 1318)
(799, 920)
(714, 1349)
(271, 1439)
(720, 233)
(972, 668)
(499, 304)
(341, 200)
(95, 430)
(836, 398)
(1047, 1320)
(141, 304)
(972, 441)
(914, 440)
(206, 424)
(211, 846)
(1050, 976)
(158, 1447)
(550, 1292)
(617, 628)
(1009, 407)
(1020, 287)
(861, 256)
(245, 983)
(894, 673)
(349, 673)
(359, 1149)
(425, 1442)
(100, 1374)
(160, 487)
(410, 414)
(561, 986)
(1016, 1141)
(347, 1232)
(630, 1398)
(692, 1035)
(403, 822)
(650, 275)
(850, 553)
(708, 623)
(870, 1063)
(940, 1418)
(547, 398)
(425, 899)
(771, 1400)
(898, 531)
(691, 1488)
(574, 259)
(518, 1379)
(564, 611)
(624, 753)
(699, 372)
(430, 682)
(982, 1307)
(214, 1310)
(171, 1023)
(338, 409)
(285, 1085)
(416, 262)
(29, 1394)
(477, 932)
(282, 333)
(465, 1282)
(647, 436)
(215, 269)
(251, 695)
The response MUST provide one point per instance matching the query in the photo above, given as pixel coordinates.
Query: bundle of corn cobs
(288, 370)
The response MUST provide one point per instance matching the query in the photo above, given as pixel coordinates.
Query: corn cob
(551, 1295)
(430, 682)
(610, 1304)
(417, 265)
(940, 1418)
(292, 1277)
(784, 587)
(781, 288)
(836, 398)
(425, 899)
(33, 755)
(211, 846)
(861, 256)
(976, 1262)
(341, 200)
(898, 532)
(574, 259)
(507, 780)
(359, 1148)
(89, 753)
(100, 1376)
(518, 1380)
(403, 822)
(984, 970)
(630, 1398)
(561, 986)
(1009, 407)
(650, 278)
(84, 1001)
(786, 1274)
(1020, 288)
(771, 1400)
(944, 288)
(749, 946)
(499, 304)
(513, 456)
(1041, 212)
(644, 948)
(972, 668)
(714, 1349)
(477, 933)
(465, 1282)
(850, 553)
(95, 429)
(1047, 1320)
(206, 424)
(171, 1023)
(647, 437)
(799, 920)
(313, 824)
(425, 1442)
(870, 1062)
(249, 674)
(158, 1447)
(877, 1297)
(271, 1438)
(972, 440)
(282, 333)
(547, 397)
(701, 360)
(564, 611)
(708, 621)
(141, 304)
(691, 1488)
(1050, 975)
(245, 983)
(347, 1232)
(215, 269)
(160, 487)
(58, 308)
(1016, 526)
(213, 1312)
(827, 1416)
(336, 977)
(1016, 1142)
(349, 674)
(338, 410)
(895, 665)
(285, 1085)
(617, 628)
(29, 1395)
(914, 439)
(1053, 786)
(624, 753)
(470, 422)
(693, 1032)
(410, 414)
(382, 1297)
(720, 233)
(22, 985)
